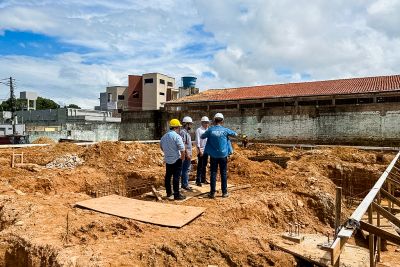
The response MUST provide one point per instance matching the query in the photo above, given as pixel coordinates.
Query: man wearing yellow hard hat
(172, 145)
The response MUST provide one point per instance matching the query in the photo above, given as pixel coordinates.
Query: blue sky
(71, 50)
(21, 43)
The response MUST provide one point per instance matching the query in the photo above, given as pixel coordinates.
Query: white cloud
(244, 43)
(323, 39)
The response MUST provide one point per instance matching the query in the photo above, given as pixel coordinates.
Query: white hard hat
(187, 119)
(219, 115)
(205, 119)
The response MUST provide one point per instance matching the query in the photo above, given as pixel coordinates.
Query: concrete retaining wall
(368, 124)
(141, 125)
(81, 131)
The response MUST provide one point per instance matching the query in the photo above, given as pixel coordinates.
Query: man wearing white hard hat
(218, 147)
(202, 158)
(187, 140)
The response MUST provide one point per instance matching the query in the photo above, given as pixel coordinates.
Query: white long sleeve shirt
(200, 143)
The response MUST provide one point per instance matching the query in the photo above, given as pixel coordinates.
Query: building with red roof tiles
(363, 111)
(330, 92)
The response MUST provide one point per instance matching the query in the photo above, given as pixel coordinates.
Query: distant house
(149, 91)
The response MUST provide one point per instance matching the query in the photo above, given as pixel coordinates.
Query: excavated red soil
(35, 202)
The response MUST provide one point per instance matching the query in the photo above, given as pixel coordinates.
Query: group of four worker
(211, 142)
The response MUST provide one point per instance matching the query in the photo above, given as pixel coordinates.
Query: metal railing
(371, 203)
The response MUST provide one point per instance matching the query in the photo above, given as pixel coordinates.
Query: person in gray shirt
(187, 141)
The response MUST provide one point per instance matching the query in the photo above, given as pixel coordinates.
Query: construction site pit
(41, 226)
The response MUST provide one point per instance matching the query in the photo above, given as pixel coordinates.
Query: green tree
(6, 105)
(73, 106)
(45, 103)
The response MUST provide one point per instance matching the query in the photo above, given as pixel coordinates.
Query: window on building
(324, 102)
(307, 103)
(388, 99)
(121, 97)
(162, 81)
(161, 93)
(109, 97)
(217, 107)
(198, 107)
(119, 110)
(346, 101)
(288, 104)
(273, 104)
(170, 84)
(135, 94)
(368, 100)
(252, 105)
(150, 80)
(231, 106)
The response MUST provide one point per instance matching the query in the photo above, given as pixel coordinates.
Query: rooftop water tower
(189, 82)
(188, 86)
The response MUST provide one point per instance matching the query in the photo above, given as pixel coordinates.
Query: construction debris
(68, 161)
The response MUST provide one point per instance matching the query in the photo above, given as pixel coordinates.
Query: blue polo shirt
(218, 143)
(171, 144)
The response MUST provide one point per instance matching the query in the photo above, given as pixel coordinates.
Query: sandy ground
(36, 201)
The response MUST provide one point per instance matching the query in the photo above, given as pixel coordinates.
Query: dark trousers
(222, 163)
(173, 170)
(201, 168)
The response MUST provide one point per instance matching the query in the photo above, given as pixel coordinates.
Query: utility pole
(13, 106)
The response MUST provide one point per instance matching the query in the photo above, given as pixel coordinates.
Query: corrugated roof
(330, 87)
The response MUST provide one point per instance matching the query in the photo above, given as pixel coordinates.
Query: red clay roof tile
(330, 87)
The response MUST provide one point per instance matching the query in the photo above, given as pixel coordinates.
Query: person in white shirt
(202, 158)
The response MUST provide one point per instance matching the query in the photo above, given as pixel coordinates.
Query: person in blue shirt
(174, 152)
(219, 148)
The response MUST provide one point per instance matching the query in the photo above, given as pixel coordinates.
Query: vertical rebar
(67, 235)
(338, 209)
(371, 239)
(378, 224)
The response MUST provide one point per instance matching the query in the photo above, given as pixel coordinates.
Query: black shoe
(225, 195)
(210, 195)
(169, 195)
(206, 182)
(199, 184)
(180, 197)
(187, 188)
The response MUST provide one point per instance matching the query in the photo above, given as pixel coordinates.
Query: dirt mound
(44, 140)
(115, 154)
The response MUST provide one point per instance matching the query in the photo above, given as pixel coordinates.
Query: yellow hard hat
(175, 123)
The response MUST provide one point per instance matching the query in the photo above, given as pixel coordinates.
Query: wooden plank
(386, 214)
(309, 251)
(144, 211)
(390, 197)
(196, 190)
(382, 233)
(393, 181)
(155, 193)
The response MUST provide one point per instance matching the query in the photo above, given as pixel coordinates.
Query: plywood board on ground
(308, 250)
(197, 190)
(144, 211)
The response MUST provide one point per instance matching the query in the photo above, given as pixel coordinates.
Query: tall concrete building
(30, 100)
(149, 91)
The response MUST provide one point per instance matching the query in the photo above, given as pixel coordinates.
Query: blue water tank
(189, 82)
